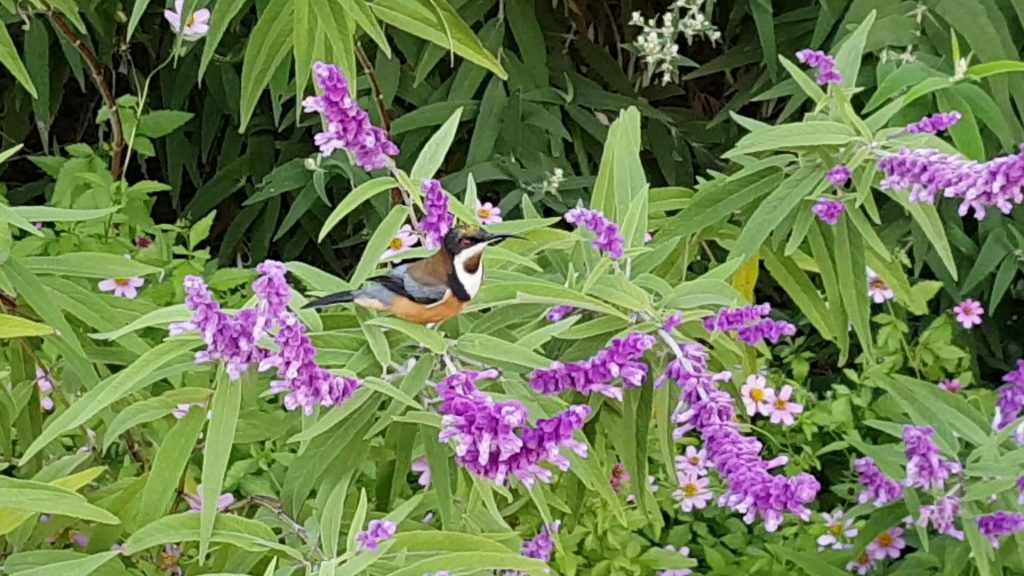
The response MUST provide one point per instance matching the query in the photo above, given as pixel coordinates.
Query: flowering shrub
(802, 362)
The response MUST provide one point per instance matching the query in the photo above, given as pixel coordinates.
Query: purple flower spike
(672, 322)
(750, 323)
(878, 487)
(934, 124)
(942, 516)
(557, 313)
(1001, 523)
(273, 294)
(828, 210)
(438, 221)
(377, 531)
(494, 439)
(839, 175)
(1010, 398)
(608, 240)
(823, 63)
(304, 383)
(542, 545)
(926, 468)
(619, 360)
(752, 490)
(979, 186)
(228, 338)
(348, 125)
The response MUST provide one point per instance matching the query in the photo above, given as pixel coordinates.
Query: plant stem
(96, 72)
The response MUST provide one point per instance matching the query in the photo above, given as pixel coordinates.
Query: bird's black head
(466, 236)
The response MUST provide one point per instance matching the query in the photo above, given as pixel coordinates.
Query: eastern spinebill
(431, 289)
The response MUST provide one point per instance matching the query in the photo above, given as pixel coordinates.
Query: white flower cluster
(658, 45)
(554, 181)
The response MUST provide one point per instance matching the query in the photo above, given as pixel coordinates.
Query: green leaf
(160, 123)
(621, 175)
(809, 86)
(807, 134)
(138, 9)
(378, 243)
(229, 529)
(761, 10)
(353, 200)
(223, 12)
(168, 466)
(801, 290)
(995, 248)
(927, 217)
(434, 151)
(78, 567)
(161, 317)
(469, 562)
(849, 55)
(358, 520)
(10, 60)
(852, 273)
(812, 564)
(43, 498)
(220, 436)
(417, 332)
(261, 60)
(18, 327)
(438, 459)
(928, 405)
(168, 358)
(89, 265)
(500, 352)
(985, 69)
(360, 11)
(773, 210)
(420, 18)
(331, 515)
(488, 123)
(6, 154)
(51, 214)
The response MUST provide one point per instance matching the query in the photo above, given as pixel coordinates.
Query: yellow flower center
(757, 394)
(878, 283)
(862, 559)
(121, 281)
(396, 243)
(483, 213)
(885, 540)
(190, 20)
(694, 460)
(836, 529)
(167, 561)
(780, 404)
(690, 490)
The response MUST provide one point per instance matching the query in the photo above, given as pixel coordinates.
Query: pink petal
(108, 285)
(201, 16)
(136, 282)
(174, 19)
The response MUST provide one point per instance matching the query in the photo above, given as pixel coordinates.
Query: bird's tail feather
(336, 298)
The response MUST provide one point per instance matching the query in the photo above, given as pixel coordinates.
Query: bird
(431, 289)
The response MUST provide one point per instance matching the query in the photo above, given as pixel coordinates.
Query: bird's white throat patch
(470, 281)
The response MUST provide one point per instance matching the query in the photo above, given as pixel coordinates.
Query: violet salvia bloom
(228, 338)
(1020, 489)
(979, 186)
(878, 487)
(750, 324)
(557, 313)
(621, 359)
(608, 239)
(752, 490)
(377, 531)
(348, 125)
(672, 322)
(934, 124)
(1010, 398)
(942, 515)
(839, 175)
(823, 63)
(926, 468)
(304, 383)
(494, 439)
(828, 210)
(272, 294)
(437, 221)
(1001, 523)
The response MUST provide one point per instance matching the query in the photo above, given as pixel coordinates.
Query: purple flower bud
(750, 323)
(942, 515)
(1001, 523)
(608, 239)
(823, 63)
(673, 321)
(926, 468)
(839, 175)
(619, 360)
(438, 221)
(1010, 398)
(557, 313)
(934, 124)
(348, 125)
(828, 210)
(978, 185)
(377, 531)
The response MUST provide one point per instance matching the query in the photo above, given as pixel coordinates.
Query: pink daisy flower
(757, 396)
(888, 544)
(839, 532)
(405, 238)
(861, 564)
(197, 24)
(692, 493)
(692, 461)
(195, 501)
(422, 467)
(782, 410)
(951, 385)
(488, 213)
(969, 313)
(122, 287)
(878, 290)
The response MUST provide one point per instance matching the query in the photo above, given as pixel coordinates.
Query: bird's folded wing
(402, 283)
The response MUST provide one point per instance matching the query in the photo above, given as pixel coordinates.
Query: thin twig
(96, 71)
(278, 508)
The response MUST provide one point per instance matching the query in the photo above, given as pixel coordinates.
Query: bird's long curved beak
(495, 237)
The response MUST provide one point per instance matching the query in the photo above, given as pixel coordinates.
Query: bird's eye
(467, 242)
